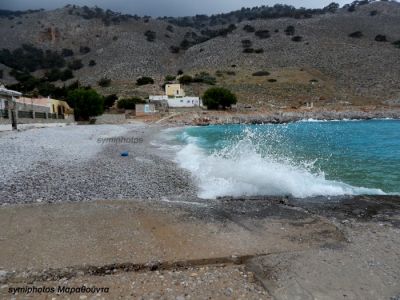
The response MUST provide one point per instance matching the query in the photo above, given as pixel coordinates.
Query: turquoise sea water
(300, 159)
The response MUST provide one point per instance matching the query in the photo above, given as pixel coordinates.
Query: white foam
(242, 171)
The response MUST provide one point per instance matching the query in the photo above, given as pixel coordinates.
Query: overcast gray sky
(163, 7)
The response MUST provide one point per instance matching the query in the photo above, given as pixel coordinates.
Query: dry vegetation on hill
(318, 62)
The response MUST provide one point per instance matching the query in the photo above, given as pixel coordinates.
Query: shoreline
(205, 118)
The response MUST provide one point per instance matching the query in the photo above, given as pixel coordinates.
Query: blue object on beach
(124, 154)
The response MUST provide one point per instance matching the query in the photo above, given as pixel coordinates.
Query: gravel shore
(76, 163)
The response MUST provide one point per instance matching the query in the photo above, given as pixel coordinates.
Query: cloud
(160, 7)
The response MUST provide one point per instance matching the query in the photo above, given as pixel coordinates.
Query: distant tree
(144, 80)
(261, 73)
(75, 64)
(86, 103)
(290, 30)
(373, 13)
(170, 28)
(104, 82)
(110, 100)
(66, 74)
(67, 52)
(246, 43)
(180, 72)
(205, 77)
(174, 49)
(170, 78)
(92, 63)
(258, 51)
(84, 49)
(380, 38)
(356, 34)
(396, 44)
(185, 79)
(129, 103)
(297, 38)
(249, 28)
(248, 50)
(217, 97)
(332, 7)
(150, 35)
(263, 34)
(53, 75)
(1, 74)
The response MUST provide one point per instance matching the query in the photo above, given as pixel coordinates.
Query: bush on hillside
(144, 80)
(258, 51)
(246, 43)
(84, 49)
(297, 38)
(261, 73)
(248, 50)
(75, 64)
(356, 34)
(92, 63)
(396, 44)
(67, 52)
(174, 49)
(263, 34)
(185, 79)
(205, 77)
(170, 78)
(380, 38)
(290, 30)
(217, 97)
(104, 82)
(150, 35)
(249, 28)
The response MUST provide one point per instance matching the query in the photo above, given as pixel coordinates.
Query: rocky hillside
(349, 56)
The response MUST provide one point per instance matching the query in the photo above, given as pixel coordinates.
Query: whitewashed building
(176, 97)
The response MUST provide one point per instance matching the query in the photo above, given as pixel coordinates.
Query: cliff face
(344, 67)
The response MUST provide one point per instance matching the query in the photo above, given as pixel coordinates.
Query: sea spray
(256, 162)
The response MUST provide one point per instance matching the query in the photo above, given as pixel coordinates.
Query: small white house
(176, 97)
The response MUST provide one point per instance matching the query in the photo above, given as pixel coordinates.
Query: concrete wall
(184, 102)
(111, 119)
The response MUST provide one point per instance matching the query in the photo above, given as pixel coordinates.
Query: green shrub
(1, 74)
(174, 49)
(297, 38)
(67, 52)
(260, 50)
(206, 78)
(84, 49)
(144, 80)
(185, 79)
(249, 28)
(104, 82)
(272, 80)
(217, 97)
(150, 35)
(110, 100)
(75, 64)
(380, 38)
(248, 50)
(263, 34)
(261, 73)
(356, 34)
(170, 78)
(129, 103)
(246, 43)
(86, 103)
(396, 44)
(290, 30)
(67, 74)
(92, 63)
